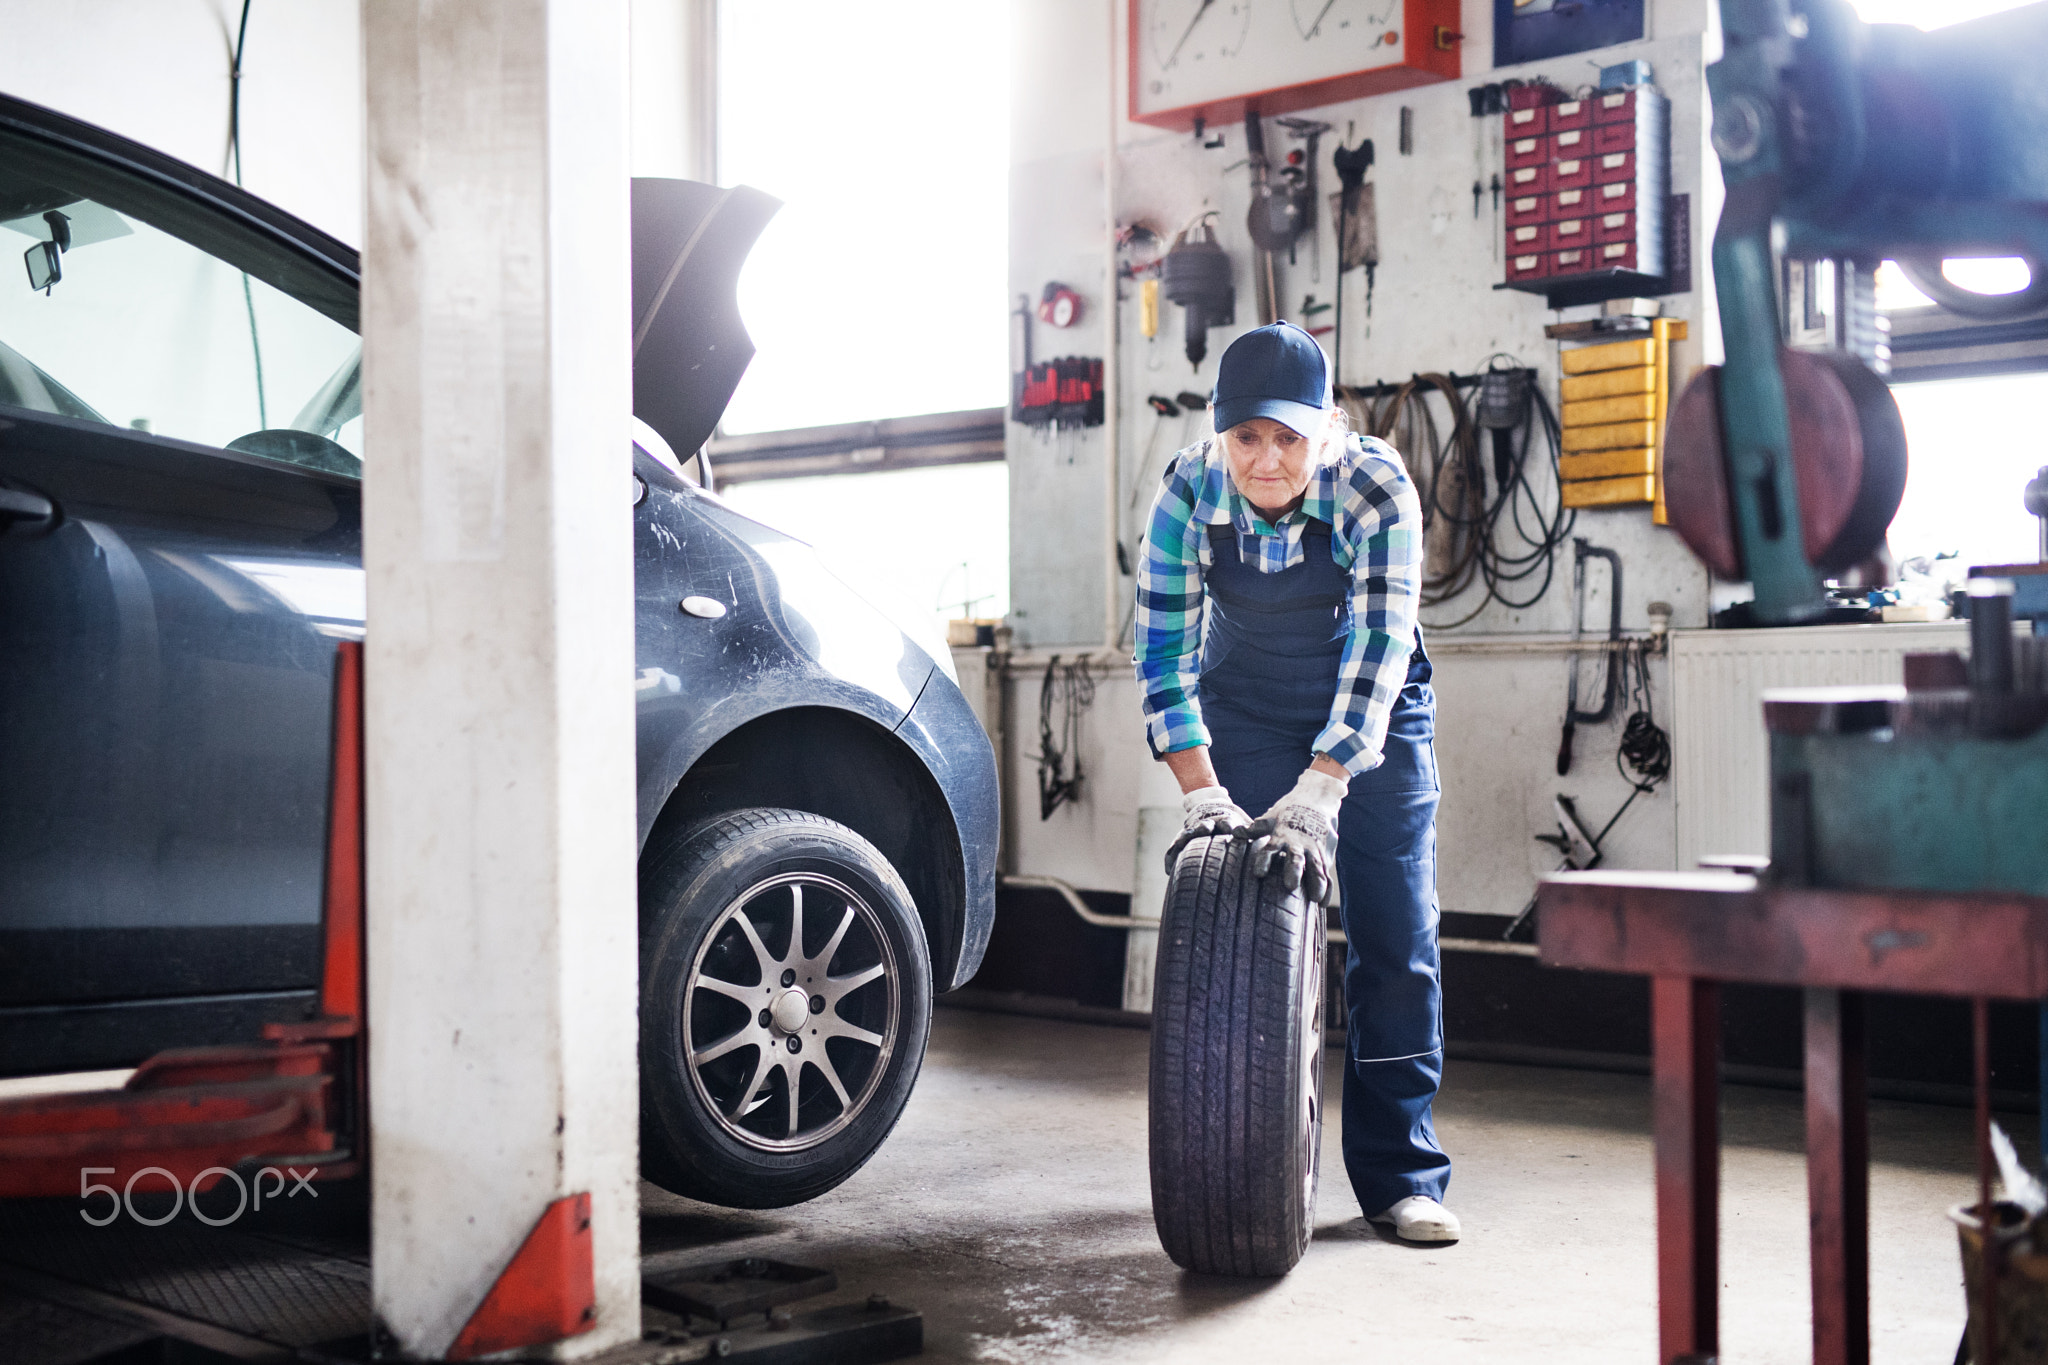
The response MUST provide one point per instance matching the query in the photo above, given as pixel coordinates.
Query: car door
(179, 552)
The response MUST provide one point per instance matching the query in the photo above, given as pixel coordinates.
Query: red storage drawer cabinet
(1567, 233)
(1614, 197)
(1523, 122)
(1614, 137)
(1614, 106)
(1602, 198)
(1528, 151)
(1614, 255)
(1571, 144)
(1571, 114)
(1615, 227)
(1612, 167)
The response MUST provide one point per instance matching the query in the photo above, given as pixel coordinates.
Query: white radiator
(1720, 758)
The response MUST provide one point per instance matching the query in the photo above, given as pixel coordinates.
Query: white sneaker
(1418, 1218)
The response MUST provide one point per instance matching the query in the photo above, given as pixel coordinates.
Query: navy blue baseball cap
(1274, 371)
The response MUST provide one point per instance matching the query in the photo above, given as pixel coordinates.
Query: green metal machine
(1858, 143)
(1846, 141)
(1841, 140)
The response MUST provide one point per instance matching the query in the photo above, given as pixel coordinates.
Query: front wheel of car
(785, 1000)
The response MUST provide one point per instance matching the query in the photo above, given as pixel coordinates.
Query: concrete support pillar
(497, 519)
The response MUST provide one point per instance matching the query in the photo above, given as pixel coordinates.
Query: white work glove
(1206, 813)
(1298, 837)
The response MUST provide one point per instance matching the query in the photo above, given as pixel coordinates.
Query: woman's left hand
(1297, 837)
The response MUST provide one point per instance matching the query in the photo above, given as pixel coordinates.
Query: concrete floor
(1012, 1207)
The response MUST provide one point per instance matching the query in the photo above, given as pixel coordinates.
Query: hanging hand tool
(1196, 275)
(1358, 238)
(1300, 177)
(1504, 410)
(1195, 405)
(1476, 97)
(1311, 309)
(1274, 219)
(1581, 552)
(1162, 409)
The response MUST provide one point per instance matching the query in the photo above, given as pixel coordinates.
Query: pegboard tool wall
(1434, 306)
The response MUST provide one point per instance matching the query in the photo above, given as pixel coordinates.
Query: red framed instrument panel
(1430, 43)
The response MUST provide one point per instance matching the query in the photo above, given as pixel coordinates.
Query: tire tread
(1228, 1015)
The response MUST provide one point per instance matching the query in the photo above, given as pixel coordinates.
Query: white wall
(1433, 308)
(157, 71)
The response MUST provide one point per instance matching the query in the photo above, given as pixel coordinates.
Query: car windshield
(127, 303)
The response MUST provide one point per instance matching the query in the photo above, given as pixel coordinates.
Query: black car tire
(733, 997)
(1236, 1084)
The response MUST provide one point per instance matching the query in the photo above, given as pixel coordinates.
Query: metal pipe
(1074, 902)
(1089, 915)
(1118, 663)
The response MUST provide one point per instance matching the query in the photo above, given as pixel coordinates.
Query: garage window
(870, 421)
(878, 291)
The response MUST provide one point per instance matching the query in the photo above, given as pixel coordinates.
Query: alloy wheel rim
(787, 1059)
(1312, 1066)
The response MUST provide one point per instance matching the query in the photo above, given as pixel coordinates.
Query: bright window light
(1989, 274)
(1979, 274)
(879, 290)
(954, 561)
(1929, 14)
(1972, 446)
(1894, 290)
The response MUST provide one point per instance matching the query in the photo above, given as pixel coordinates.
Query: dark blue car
(180, 550)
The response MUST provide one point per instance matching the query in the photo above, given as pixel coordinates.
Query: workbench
(1689, 932)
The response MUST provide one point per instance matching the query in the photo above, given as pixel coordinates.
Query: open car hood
(689, 346)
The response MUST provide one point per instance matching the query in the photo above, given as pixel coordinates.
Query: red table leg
(1685, 1069)
(1838, 1176)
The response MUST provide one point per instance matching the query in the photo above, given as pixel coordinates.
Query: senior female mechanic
(1308, 698)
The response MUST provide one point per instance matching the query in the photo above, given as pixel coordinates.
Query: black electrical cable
(1644, 745)
(235, 161)
(1506, 540)
(1071, 688)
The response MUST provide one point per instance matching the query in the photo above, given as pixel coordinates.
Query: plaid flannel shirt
(1376, 534)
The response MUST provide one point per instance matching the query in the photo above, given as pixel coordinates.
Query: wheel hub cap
(790, 1011)
(758, 1049)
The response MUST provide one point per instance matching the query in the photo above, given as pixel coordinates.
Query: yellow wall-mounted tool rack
(1614, 397)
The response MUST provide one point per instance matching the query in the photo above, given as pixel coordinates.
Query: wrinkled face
(1270, 463)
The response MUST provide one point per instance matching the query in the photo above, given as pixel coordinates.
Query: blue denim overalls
(1270, 660)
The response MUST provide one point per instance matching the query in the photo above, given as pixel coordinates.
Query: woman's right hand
(1206, 813)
